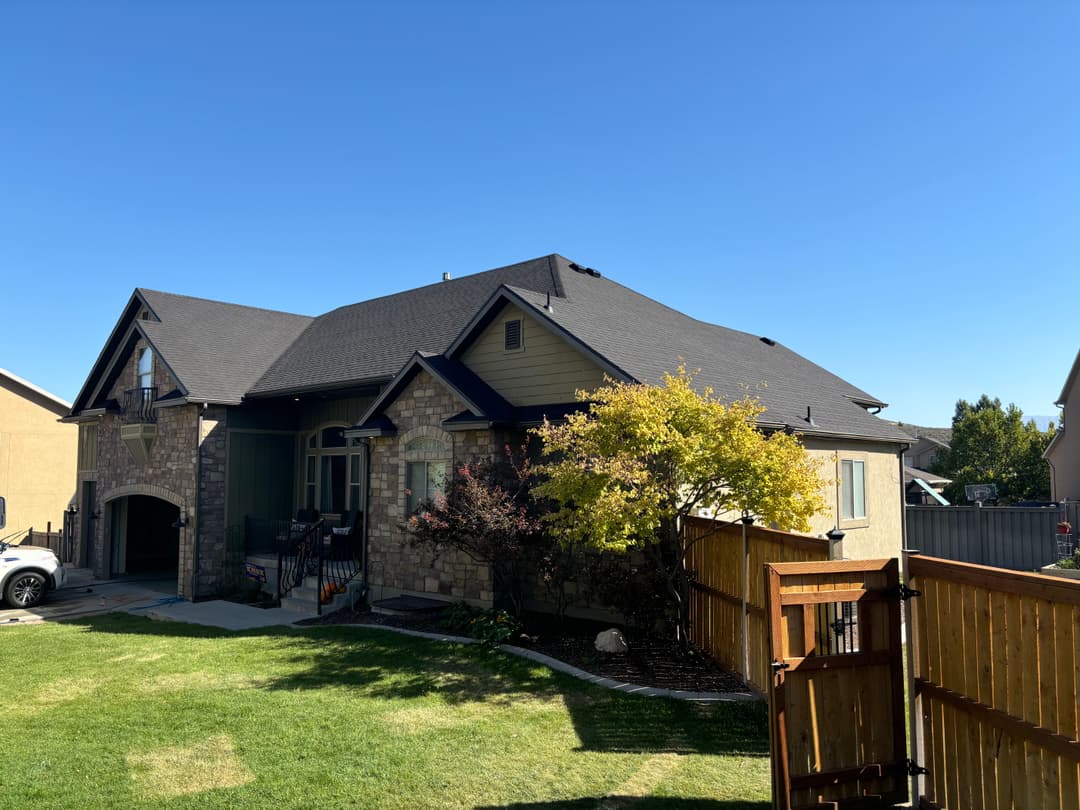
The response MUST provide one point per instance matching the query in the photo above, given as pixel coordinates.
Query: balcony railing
(138, 406)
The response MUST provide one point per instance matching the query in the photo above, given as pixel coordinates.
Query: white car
(27, 573)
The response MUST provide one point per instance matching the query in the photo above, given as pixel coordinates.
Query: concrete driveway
(84, 596)
(154, 598)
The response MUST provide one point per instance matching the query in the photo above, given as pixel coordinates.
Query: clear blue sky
(893, 190)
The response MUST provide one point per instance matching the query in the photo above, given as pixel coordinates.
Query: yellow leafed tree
(625, 473)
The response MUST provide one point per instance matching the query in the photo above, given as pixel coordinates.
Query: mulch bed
(649, 661)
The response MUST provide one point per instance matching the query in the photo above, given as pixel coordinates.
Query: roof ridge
(144, 290)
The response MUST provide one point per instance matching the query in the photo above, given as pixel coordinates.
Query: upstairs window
(852, 489)
(145, 370)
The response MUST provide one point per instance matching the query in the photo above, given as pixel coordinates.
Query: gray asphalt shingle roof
(646, 339)
(224, 352)
(217, 350)
(371, 341)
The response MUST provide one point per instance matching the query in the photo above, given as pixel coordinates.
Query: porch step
(305, 598)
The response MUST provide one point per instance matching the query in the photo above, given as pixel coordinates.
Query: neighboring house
(37, 457)
(927, 443)
(1063, 452)
(200, 417)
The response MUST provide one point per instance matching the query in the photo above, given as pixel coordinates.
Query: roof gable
(213, 350)
(483, 403)
(39, 395)
(1066, 389)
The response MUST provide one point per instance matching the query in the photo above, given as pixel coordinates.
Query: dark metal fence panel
(1022, 538)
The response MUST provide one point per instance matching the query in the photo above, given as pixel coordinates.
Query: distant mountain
(1042, 421)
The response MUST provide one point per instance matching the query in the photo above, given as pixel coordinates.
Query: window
(427, 465)
(852, 489)
(145, 372)
(512, 336)
(332, 471)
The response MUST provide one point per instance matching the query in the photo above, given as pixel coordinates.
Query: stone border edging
(567, 669)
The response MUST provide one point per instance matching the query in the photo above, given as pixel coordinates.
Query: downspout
(367, 511)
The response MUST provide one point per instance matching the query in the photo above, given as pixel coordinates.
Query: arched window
(333, 469)
(145, 372)
(427, 465)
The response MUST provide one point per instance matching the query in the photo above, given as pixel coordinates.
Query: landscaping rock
(611, 641)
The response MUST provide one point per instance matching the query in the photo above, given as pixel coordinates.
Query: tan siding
(546, 370)
(37, 460)
(880, 535)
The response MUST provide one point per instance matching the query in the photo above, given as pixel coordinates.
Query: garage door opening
(145, 540)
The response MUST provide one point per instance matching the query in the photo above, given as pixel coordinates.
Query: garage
(145, 537)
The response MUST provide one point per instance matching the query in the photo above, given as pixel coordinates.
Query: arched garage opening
(145, 539)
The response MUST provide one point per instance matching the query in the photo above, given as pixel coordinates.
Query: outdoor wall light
(181, 521)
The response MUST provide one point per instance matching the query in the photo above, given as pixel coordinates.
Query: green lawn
(119, 711)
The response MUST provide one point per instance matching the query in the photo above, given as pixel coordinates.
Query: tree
(993, 445)
(487, 513)
(626, 474)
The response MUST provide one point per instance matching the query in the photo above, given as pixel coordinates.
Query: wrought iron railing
(305, 549)
(299, 555)
(341, 562)
(138, 405)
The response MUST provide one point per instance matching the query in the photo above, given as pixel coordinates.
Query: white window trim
(318, 452)
(422, 432)
(855, 522)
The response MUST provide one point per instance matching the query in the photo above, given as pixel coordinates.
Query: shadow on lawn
(381, 664)
(630, 803)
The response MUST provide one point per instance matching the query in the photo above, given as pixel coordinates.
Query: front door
(836, 701)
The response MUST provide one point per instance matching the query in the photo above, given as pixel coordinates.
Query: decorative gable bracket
(139, 439)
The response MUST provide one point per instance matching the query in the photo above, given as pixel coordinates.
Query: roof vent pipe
(547, 306)
(810, 417)
(445, 276)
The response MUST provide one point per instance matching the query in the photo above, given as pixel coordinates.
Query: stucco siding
(1064, 456)
(881, 533)
(37, 460)
(545, 370)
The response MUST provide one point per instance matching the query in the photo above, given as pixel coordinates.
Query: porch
(310, 563)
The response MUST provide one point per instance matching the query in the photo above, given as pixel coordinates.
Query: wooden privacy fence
(728, 618)
(60, 543)
(997, 677)
(1022, 538)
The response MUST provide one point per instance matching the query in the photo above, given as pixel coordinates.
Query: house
(203, 421)
(927, 444)
(37, 457)
(1063, 452)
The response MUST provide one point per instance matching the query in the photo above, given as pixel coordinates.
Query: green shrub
(489, 626)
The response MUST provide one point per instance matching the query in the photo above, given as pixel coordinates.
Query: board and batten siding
(545, 370)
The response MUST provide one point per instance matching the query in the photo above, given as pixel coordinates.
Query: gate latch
(777, 666)
(915, 769)
(903, 592)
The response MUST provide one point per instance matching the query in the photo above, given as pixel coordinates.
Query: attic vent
(586, 270)
(768, 341)
(512, 335)
(144, 315)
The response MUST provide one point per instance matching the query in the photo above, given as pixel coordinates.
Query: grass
(120, 711)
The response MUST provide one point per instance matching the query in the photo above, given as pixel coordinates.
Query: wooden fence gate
(837, 694)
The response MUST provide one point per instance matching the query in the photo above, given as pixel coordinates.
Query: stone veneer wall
(168, 474)
(221, 554)
(395, 565)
